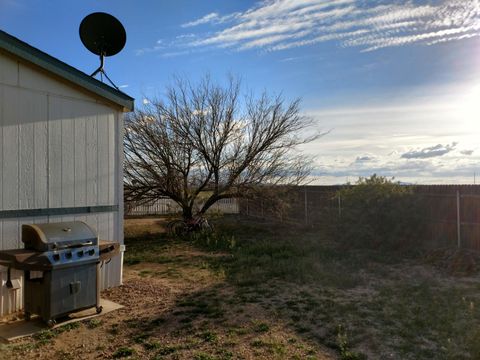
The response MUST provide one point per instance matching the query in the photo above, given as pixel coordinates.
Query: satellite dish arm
(101, 70)
(111, 82)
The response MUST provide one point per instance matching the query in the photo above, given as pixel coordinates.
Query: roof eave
(16, 47)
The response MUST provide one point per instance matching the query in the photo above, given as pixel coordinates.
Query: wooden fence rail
(165, 206)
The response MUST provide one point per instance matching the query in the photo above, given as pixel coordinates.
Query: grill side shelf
(108, 249)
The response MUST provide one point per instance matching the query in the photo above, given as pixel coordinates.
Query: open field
(255, 291)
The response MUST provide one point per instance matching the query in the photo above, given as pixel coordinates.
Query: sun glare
(469, 109)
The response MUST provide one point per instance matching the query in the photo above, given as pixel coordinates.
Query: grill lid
(54, 236)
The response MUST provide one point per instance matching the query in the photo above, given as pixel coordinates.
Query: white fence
(164, 206)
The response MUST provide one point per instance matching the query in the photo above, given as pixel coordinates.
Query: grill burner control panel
(73, 255)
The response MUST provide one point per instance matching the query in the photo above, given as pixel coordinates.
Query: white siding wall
(59, 147)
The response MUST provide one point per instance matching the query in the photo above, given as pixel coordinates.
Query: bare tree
(201, 139)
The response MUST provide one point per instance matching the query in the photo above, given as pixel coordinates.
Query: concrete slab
(21, 328)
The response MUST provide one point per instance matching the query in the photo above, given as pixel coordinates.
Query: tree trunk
(187, 213)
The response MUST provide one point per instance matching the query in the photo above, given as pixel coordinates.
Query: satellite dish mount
(103, 35)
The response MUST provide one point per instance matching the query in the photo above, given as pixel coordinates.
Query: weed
(145, 273)
(64, 355)
(44, 336)
(166, 350)
(123, 352)
(140, 339)
(114, 329)
(20, 347)
(209, 336)
(213, 240)
(271, 346)
(237, 331)
(93, 323)
(224, 354)
(345, 352)
(152, 345)
(203, 356)
(67, 327)
(261, 327)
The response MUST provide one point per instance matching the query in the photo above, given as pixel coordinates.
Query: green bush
(378, 213)
(212, 240)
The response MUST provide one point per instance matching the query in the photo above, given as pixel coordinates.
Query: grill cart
(61, 262)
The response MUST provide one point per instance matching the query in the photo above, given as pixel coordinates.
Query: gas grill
(61, 262)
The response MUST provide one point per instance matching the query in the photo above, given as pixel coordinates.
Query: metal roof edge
(21, 49)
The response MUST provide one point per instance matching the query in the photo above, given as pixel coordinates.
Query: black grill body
(61, 262)
(61, 291)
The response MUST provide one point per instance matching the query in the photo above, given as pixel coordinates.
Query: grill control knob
(91, 252)
(80, 254)
(68, 255)
(56, 257)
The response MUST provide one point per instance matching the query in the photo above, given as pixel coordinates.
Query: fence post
(339, 206)
(459, 243)
(306, 204)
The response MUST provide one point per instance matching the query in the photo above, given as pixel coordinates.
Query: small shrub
(212, 240)
(343, 346)
(378, 213)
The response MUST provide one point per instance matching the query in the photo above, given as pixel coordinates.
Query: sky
(396, 84)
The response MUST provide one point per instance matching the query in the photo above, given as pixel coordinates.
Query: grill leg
(98, 289)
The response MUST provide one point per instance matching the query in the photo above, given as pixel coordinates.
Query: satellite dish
(103, 35)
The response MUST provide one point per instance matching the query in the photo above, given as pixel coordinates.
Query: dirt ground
(179, 309)
(268, 293)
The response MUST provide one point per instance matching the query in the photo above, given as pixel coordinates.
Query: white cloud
(364, 158)
(157, 47)
(282, 24)
(418, 139)
(212, 18)
(429, 152)
(204, 20)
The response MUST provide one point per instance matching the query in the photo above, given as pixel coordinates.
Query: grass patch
(261, 327)
(123, 352)
(310, 285)
(140, 339)
(209, 336)
(45, 336)
(203, 356)
(93, 323)
(272, 347)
